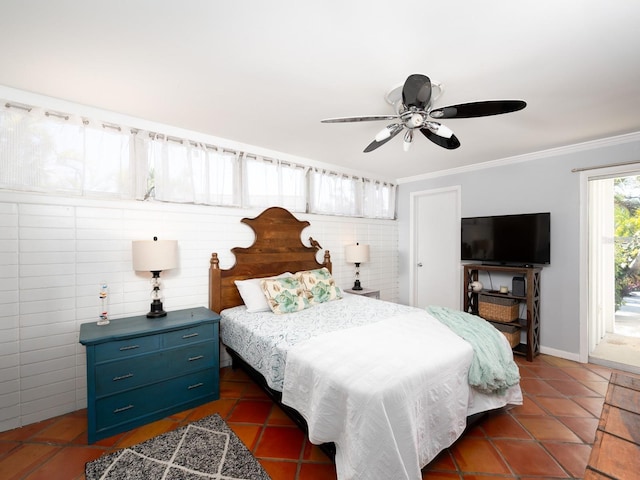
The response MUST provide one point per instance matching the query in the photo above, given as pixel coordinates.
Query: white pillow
(252, 294)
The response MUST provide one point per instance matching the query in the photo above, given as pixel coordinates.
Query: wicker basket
(497, 309)
(511, 332)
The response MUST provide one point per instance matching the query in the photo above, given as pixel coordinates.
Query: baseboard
(560, 354)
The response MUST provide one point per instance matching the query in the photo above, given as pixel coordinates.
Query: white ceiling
(265, 73)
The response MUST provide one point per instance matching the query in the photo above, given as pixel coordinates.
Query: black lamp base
(156, 310)
(356, 285)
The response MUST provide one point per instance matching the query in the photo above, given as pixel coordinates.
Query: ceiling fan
(414, 108)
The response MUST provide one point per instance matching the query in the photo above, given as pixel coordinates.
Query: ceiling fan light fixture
(415, 120)
(444, 131)
(439, 129)
(383, 134)
(408, 139)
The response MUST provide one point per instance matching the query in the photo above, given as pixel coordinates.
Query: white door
(601, 260)
(435, 248)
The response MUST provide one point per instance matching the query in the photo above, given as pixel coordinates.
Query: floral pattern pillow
(320, 284)
(285, 295)
(252, 294)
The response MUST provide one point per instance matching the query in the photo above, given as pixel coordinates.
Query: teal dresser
(142, 369)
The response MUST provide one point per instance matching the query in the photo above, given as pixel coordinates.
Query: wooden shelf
(531, 324)
(496, 293)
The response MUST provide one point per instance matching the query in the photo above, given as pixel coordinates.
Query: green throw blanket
(492, 368)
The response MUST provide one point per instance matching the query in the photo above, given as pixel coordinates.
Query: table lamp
(155, 256)
(357, 254)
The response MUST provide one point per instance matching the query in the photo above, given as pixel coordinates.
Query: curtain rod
(597, 167)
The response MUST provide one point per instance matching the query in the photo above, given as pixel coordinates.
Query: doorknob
(420, 264)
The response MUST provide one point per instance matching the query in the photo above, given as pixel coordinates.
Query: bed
(382, 386)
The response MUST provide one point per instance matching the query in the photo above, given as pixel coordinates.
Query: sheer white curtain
(55, 152)
(172, 170)
(108, 161)
(45, 151)
(379, 199)
(224, 177)
(270, 182)
(186, 172)
(335, 194)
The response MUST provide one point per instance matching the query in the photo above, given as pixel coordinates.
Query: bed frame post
(215, 292)
(327, 260)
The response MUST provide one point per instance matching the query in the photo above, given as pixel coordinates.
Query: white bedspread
(387, 418)
(263, 338)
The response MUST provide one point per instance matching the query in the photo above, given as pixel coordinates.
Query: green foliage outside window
(627, 236)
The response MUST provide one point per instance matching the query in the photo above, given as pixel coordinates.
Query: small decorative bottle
(104, 304)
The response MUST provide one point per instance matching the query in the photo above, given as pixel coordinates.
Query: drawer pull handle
(122, 377)
(123, 409)
(129, 347)
(190, 335)
(191, 359)
(191, 387)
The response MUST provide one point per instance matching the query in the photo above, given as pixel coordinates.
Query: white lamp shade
(154, 255)
(356, 253)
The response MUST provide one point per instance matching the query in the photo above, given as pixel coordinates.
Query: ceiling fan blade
(416, 91)
(449, 142)
(478, 109)
(367, 118)
(384, 136)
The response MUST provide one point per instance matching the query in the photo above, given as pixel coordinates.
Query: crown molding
(528, 157)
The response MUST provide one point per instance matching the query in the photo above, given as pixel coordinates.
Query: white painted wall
(55, 251)
(541, 182)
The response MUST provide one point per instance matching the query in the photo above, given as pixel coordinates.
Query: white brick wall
(9, 319)
(55, 252)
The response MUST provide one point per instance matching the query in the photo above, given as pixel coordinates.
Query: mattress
(391, 395)
(262, 339)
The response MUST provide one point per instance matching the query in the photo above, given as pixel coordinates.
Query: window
(185, 172)
(42, 151)
(270, 182)
(334, 193)
(379, 199)
(107, 165)
(55, 152)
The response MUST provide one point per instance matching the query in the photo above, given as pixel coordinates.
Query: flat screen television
(523, 239)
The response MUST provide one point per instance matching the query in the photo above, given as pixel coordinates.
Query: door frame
(413, 241)
(585, 177)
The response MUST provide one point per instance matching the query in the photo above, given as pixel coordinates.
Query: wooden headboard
(278, 248)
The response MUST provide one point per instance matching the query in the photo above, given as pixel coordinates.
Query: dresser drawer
(188, 336)
(189, 359)
(126, 348)
(114, 377)
(131, 405)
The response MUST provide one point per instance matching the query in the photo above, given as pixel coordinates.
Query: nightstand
(142, 369)
(365, 292)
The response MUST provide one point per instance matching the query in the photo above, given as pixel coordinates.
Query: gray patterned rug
(206, 449)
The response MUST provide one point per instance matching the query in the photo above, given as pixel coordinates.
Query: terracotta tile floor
(549, 437)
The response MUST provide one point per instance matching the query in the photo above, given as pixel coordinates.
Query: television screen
(507, 239)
